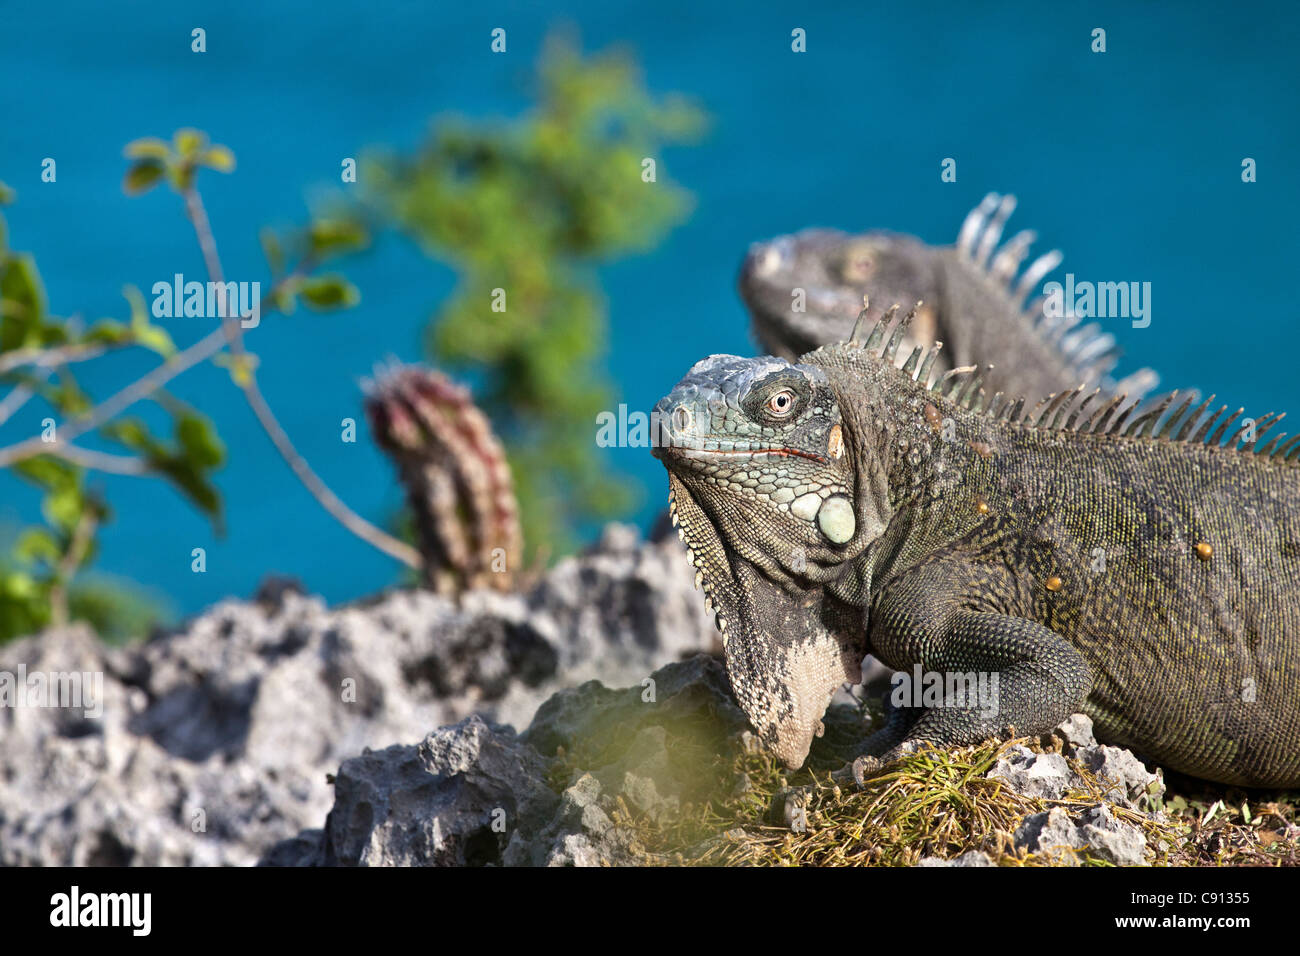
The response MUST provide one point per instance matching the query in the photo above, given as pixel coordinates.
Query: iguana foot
(789, 808)
(868, 765)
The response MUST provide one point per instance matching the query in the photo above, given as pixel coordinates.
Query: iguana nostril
(764, 260)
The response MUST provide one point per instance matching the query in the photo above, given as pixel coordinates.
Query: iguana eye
(858, 263)
(859, 268)
(781, 403)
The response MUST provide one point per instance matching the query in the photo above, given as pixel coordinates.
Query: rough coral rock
(1126, 779)
(969, 858)
(1046, 775)
(1062, 837)
(452, 800)
(581, 834)
(1128, 782)
(1076, 731)
(216, 740)
(474, 793)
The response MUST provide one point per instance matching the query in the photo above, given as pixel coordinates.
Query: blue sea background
(1128, 161)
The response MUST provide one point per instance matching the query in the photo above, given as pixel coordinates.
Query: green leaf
(273, 251)
(189, 143)
(148, 147)
(142, 176)
(107, 332)
(190, 478)
(37, 544)
(241, 367)
(181, 176)
(18, 584)
(6, 195)
(47, 472)
(328, 292)
(63, 507)
(24, 300)
(283, 298)
(219, 158)
(67, 397)
(184, 463)
(199, 441)
(134, 434)
(194, 485)
(153, 337)
(135, 299)
(333, 236)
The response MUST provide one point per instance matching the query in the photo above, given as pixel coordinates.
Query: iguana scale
(1132, 564)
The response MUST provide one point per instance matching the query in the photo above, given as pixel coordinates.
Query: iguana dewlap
(1132, 565)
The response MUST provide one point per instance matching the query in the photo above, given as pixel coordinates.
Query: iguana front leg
(1023, 674)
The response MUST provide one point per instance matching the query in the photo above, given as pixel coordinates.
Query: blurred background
(1128, 161)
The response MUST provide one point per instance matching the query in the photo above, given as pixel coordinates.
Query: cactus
(456, 477)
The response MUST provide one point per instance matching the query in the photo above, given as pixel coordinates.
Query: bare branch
(17, 398)
(233, 329)
(47, 357)
(98, 460)
(362, 528)
(78, 547)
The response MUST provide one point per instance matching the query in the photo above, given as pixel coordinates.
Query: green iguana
(804, 291)
(1136, 567)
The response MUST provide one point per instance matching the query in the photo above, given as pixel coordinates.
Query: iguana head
(834, 270)
(765, 491)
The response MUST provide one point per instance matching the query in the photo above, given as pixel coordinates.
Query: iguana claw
(866, 766)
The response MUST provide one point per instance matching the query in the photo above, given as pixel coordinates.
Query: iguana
(804, 291)
(1134, 566)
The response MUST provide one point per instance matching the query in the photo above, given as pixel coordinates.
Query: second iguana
(805, 290)
(1133, 565)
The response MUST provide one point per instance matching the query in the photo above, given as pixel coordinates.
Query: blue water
(1129, 161)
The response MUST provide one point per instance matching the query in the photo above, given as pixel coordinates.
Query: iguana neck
(915, 457)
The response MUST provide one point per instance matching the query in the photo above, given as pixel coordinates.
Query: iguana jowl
(1135, 566)
(973, 297)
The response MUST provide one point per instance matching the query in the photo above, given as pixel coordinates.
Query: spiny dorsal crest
(1154, 421)
(919, 363)
(1065, 410)
(1088, 351)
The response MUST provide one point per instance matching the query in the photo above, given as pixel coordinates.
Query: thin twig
(44, 358)
(99, 460)
(18, 397)
(82, 535)
(233, 329)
